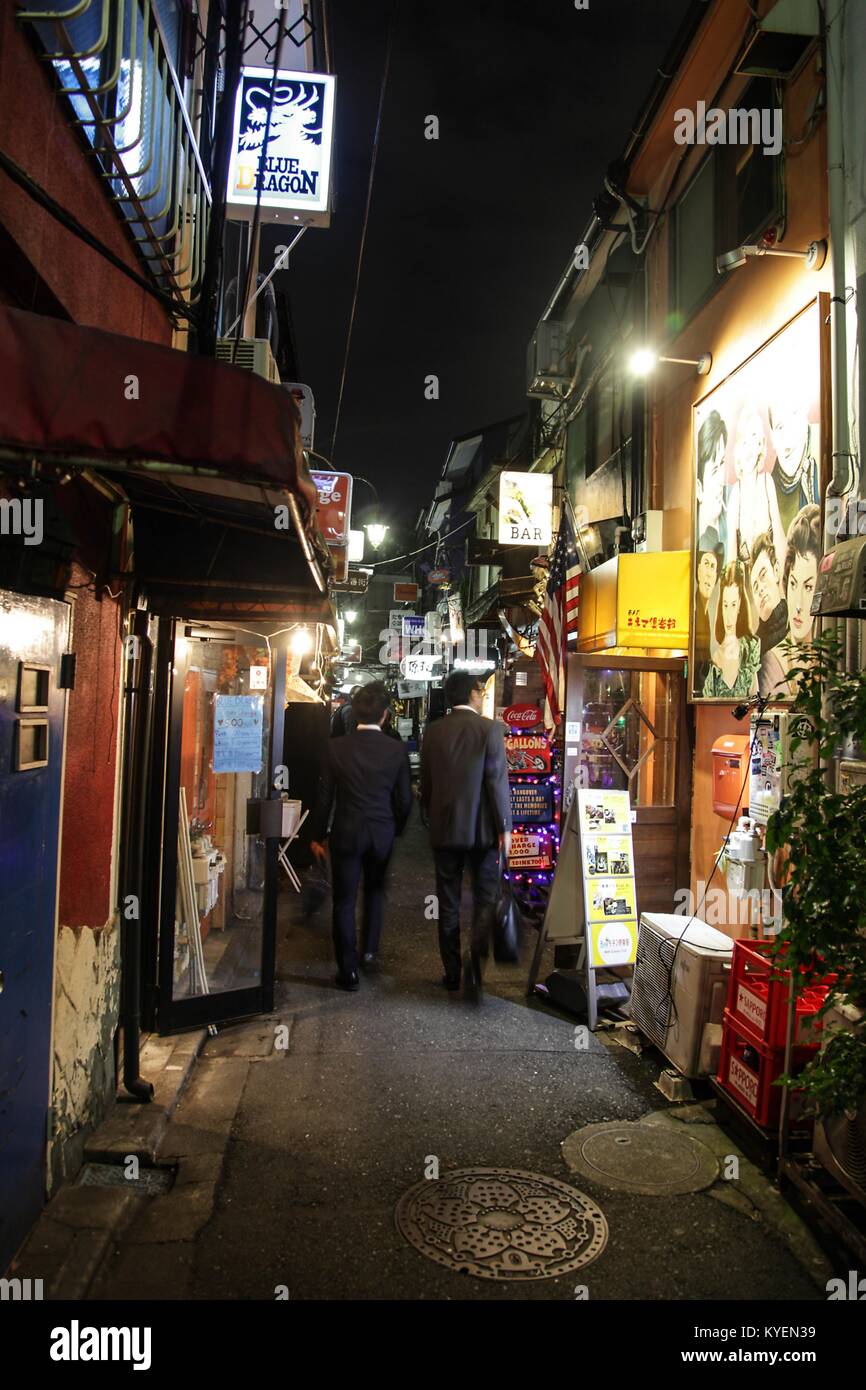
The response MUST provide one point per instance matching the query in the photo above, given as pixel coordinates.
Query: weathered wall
(87, 960)
(87, 993)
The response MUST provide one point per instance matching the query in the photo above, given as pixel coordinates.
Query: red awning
(83, 395)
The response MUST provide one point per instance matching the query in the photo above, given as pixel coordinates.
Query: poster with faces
(757, 524)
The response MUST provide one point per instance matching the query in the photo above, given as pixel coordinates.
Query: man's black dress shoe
(349, 981)
(472, 978)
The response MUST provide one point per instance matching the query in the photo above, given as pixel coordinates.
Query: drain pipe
(138, 657)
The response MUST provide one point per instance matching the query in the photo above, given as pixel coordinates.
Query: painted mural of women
(752, 506)
(803, 553)
(737, 654)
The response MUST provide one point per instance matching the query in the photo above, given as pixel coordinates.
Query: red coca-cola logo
(522, 716)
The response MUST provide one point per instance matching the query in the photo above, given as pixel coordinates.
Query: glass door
(218, 915)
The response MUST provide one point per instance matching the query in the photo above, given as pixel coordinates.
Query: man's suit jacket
(465, 798)
(367, 784)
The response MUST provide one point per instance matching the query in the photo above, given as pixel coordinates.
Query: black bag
(316, 887)
(506, 926)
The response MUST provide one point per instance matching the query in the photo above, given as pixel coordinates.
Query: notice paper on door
(237, 733)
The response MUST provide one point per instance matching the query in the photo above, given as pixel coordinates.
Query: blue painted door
(33, 636)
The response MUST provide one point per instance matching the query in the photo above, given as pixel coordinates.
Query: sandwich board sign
(593, 902)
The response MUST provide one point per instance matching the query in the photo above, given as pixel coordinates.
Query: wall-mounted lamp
(815, 255)
(645, 359)
(350, 614)
(300, 641)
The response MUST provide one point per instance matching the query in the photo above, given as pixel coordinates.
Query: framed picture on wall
(759, 450)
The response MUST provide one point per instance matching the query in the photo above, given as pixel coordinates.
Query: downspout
(136, 740)
(843, 471)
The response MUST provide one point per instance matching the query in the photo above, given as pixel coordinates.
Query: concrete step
(135, 1128)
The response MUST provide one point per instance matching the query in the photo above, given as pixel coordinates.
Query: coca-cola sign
(522, 716)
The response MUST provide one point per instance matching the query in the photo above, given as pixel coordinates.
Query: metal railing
(110, 59)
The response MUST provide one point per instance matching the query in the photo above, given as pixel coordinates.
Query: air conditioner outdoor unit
(253, 354)
(547, 372)
(840, 1140)
(680, 987)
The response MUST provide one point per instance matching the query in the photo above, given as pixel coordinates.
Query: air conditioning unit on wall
(253, 354)
(679, 988)
(547, 373)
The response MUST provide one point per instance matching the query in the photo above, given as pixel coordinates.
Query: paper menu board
(607, 870)
(613, 943)
(605, 855)
(610, 897)
(237, 742)
(604, 811)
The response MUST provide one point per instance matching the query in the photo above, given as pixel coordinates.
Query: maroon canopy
(83, 394)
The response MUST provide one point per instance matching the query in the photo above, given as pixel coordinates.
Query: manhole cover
(501, 1223)
(151, 1182)
(654, 1159)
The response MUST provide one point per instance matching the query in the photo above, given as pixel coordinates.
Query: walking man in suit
(367, 788)
(466, 805)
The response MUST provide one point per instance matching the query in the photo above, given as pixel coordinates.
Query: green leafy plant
(820, 834)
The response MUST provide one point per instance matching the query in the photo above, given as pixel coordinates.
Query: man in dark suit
(466, 805)
(367, 787)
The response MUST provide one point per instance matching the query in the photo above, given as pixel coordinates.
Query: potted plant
(818, 840)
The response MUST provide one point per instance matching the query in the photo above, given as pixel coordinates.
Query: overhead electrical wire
(373, 159)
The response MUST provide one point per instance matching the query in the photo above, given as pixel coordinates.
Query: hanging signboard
(411, 690)
(455, 618)
(525, 508)
(414, 627)
(405, 593)
(523, 716)
(420, 668)
(527, 754)
(294, 172)
(439, 577)
(303, 398)
(237, 734)
(531, 804)
(334, 512)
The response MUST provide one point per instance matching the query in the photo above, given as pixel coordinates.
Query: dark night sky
(468, 235)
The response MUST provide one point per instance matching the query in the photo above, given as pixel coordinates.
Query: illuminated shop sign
(294, 172)
(525, 508)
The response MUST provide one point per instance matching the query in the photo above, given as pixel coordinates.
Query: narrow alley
(290, 1162)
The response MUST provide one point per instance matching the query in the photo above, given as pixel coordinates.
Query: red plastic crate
(748, 1068)
(758, 997)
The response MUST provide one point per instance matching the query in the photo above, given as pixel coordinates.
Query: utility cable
(392, 559)
(253, 251)
(66, 219)
(373, 159)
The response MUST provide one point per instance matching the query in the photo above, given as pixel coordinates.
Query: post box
(730, 782)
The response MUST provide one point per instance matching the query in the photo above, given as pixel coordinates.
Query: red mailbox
(730, 775)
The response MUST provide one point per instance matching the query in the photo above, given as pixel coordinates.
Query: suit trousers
(484, 868)
(368, 857)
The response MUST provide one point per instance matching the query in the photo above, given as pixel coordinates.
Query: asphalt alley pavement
(321, 1138)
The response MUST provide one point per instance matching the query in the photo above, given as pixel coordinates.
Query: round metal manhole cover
(653, 1159)
(501, 1223)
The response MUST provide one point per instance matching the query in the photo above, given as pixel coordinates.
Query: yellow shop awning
(636, 601)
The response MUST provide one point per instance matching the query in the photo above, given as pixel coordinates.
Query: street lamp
(376, 533)
(646, 358)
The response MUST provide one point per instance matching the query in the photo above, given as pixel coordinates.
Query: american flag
(558, 618)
